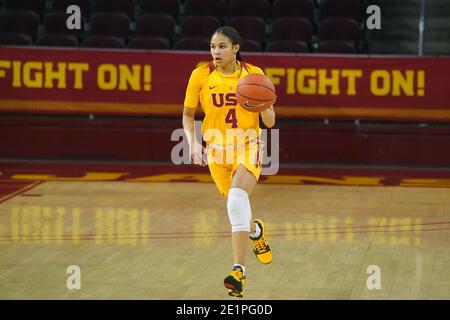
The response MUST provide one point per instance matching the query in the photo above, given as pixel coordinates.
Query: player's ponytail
(234, 36)
(238, 55)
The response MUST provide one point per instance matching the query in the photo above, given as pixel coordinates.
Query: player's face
(222, 50)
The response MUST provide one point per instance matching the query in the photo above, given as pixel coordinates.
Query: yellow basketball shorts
(223, 162)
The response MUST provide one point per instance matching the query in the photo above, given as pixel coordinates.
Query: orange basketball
(255, 92)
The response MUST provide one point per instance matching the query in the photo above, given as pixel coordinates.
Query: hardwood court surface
(140, 240)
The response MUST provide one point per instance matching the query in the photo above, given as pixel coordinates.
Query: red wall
(127, 139)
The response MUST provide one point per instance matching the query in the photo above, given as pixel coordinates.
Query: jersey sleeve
(255, 69)
(194, 86)
(258, 70)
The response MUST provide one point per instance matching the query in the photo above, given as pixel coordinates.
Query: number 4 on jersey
(231, 118)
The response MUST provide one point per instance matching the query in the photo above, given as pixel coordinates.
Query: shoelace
(237, 273)
(261, 246)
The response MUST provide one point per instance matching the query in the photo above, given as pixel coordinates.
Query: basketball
(255, 92)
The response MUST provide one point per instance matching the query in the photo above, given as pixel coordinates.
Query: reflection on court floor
(155, 240)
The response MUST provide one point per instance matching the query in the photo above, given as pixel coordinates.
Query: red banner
(137, 82)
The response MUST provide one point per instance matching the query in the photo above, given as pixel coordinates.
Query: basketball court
(99, 198)
(134, 239)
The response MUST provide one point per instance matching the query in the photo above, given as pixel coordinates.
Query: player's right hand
(198, 154)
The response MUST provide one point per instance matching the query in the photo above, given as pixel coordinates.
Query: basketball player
(213, 86)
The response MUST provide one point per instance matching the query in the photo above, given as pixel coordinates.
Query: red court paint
(429, 177)
(10, 189)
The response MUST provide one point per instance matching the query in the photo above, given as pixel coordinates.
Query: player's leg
(239, 212)
(246, 177)
(235, 182)
(220, 172)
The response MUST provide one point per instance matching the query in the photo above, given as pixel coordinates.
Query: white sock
(257, 232)
(240, 266)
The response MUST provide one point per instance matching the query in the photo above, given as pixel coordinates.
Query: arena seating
(325, 26)
(56, 40)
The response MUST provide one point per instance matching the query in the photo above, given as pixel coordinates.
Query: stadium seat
(14, 39)
(249, 45)
(249, 27)
(170, 7)
(299, 29)
(198, 26)
(155, 25)
(287, 46)
(56, 40)
(25, 22)
(249, 8)
(37, 6)
(62, 5)
(110, 24)
(55, 23)
(336, 47)
(293, 8)
(149, 43)
(340, 9)
(200, 44)
(216, 8)
(103, 42)
(339, 29)
(122, 6)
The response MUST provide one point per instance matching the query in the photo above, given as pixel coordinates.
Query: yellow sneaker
(235, 282)
(261, 247)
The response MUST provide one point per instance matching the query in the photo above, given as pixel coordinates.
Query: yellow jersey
(216, 93)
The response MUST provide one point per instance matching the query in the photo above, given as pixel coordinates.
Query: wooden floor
(136, 240)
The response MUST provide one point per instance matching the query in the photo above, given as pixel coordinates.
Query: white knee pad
(239, 211)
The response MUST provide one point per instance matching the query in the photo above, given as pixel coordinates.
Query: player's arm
(191, 102)
(268, 117)
(195, 147)
(189, 125)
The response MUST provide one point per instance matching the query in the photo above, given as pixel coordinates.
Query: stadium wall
(123, 106)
